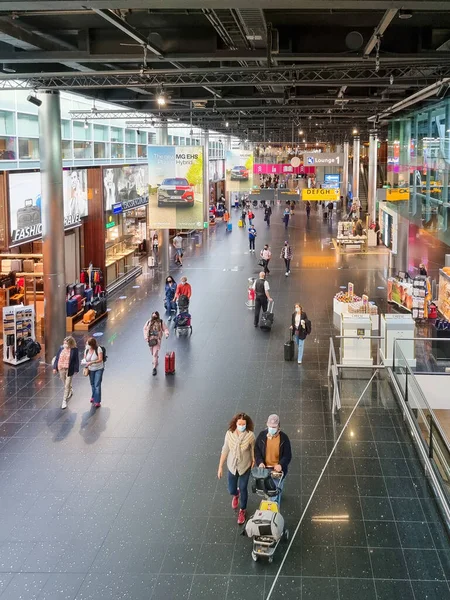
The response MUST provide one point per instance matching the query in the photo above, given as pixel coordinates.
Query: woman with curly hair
(239, 452)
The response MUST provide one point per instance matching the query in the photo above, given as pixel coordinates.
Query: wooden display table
(70, 321)
(80, 326)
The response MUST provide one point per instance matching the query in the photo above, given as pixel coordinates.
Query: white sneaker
(299, 362)
(64, 404)
(286, 274)
(289, 272)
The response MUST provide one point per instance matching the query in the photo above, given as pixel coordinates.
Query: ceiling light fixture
(300, 132)
(227, 124)
(86, 125)
(161, 99)
(34, 100)
(404, 14)
(355, 131)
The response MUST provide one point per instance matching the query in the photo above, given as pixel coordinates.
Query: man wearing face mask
(273, 449)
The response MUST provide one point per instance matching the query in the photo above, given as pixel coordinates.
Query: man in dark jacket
(273, 450)
(267, 215)
(262, 296)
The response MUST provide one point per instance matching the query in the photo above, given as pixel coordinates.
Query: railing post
(406, 385)
(430, 445)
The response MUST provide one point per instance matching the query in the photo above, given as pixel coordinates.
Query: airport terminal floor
(123, 502)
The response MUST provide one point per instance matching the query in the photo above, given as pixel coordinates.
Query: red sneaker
(241, 516)
(97, 404)
(235, 501)
(91, 400)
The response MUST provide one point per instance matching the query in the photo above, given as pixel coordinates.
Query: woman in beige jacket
(239, 452)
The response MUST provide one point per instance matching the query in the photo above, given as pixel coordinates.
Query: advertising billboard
(25, 223)
(175, 185)
(317, 194)
(125, 186)
(239, 170)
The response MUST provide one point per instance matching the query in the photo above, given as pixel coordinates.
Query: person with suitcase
(262, 296)
(301, 327)
(154, 329)
(170, 289)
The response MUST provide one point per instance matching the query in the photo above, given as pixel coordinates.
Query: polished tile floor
(124, 503)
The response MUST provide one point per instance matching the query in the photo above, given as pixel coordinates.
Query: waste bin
(250, 293)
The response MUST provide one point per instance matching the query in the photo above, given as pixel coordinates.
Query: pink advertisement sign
(272, 169)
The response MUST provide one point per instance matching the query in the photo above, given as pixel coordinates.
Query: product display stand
(356, 352)
(397, 328)
(419, 294)
(18, 323)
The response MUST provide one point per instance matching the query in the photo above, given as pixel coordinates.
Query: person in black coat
(301, 327)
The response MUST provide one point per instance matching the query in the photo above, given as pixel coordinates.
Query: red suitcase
(79, 300)
(170, 363)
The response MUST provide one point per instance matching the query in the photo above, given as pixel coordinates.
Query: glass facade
(419, 159)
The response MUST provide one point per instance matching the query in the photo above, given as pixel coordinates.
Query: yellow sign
(315, 194)
(396, 194)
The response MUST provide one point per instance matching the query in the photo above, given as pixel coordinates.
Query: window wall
(419, 158)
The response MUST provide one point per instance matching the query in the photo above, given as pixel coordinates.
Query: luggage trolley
(266, 526)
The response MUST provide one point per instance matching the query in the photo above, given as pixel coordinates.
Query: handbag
(261, 263)
(86, 371)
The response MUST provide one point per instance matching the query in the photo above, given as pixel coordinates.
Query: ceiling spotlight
(355, 132)
(227, 124)
(317, 143)
(304, 141)
(391, 79)
(34, 100)
(300, 132)
(404, 14)
(191, 133)
(161, 99)
(317, 124)
(86, 125)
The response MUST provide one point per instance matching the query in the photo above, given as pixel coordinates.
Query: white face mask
(297, 309)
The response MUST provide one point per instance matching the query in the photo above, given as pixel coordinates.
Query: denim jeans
(96, 385)
(236, 481)
(300, 343)
(251, 242)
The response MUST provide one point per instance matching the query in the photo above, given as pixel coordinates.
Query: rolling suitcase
(229, 227)
(240, 223)
(169, 363)
(266, 321)
(79, 289)
(289, 348)
(88, 293)
(71, 307)
(79, 301)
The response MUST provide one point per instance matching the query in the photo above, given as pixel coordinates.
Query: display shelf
(400, 293)
(80, 326)
(18, 323)
(444, 294)
(71, 321)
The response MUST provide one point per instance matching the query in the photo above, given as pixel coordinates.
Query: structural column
(372, 183)
(165, 246)
(206, 179)
(345, 174)
(52, 216)
(355, 185)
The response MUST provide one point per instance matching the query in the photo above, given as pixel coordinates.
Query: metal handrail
(423, 398)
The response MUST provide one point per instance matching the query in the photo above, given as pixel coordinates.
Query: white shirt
(266, 285)
(178, 241)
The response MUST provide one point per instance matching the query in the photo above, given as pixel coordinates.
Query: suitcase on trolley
(169, 363)
(266, 321)
(289, 349)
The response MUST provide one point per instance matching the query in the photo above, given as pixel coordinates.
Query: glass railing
(422, 387)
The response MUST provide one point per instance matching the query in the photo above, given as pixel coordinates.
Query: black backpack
(103, 349)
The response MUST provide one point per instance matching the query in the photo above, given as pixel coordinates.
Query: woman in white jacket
(154, 330)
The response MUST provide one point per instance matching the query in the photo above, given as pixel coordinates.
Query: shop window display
(28, 149)
(7, 148)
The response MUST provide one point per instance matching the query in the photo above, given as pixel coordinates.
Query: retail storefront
(125, 191)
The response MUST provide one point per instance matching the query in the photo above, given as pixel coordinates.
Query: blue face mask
(272, 430)
(241, 428)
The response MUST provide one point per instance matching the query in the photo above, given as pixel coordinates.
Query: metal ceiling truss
(395, 77)
(230, 113)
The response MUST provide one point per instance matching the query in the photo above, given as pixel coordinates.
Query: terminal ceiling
(322, 66)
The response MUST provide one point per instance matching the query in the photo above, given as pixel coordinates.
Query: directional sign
(324, 159)
(318, 194)
(397, 194)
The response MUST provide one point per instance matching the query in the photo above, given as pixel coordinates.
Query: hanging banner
(126, 185)
(175, 184)
(239, 170)
(24, 191)
(316, 194)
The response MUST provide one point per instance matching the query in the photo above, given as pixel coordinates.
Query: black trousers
(251, 242)
(260, 303)
(287, 262)
(265, 265)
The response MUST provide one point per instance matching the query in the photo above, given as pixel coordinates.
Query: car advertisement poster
(175, 183)
(239, 170)
(126, 187)
(25, 203)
